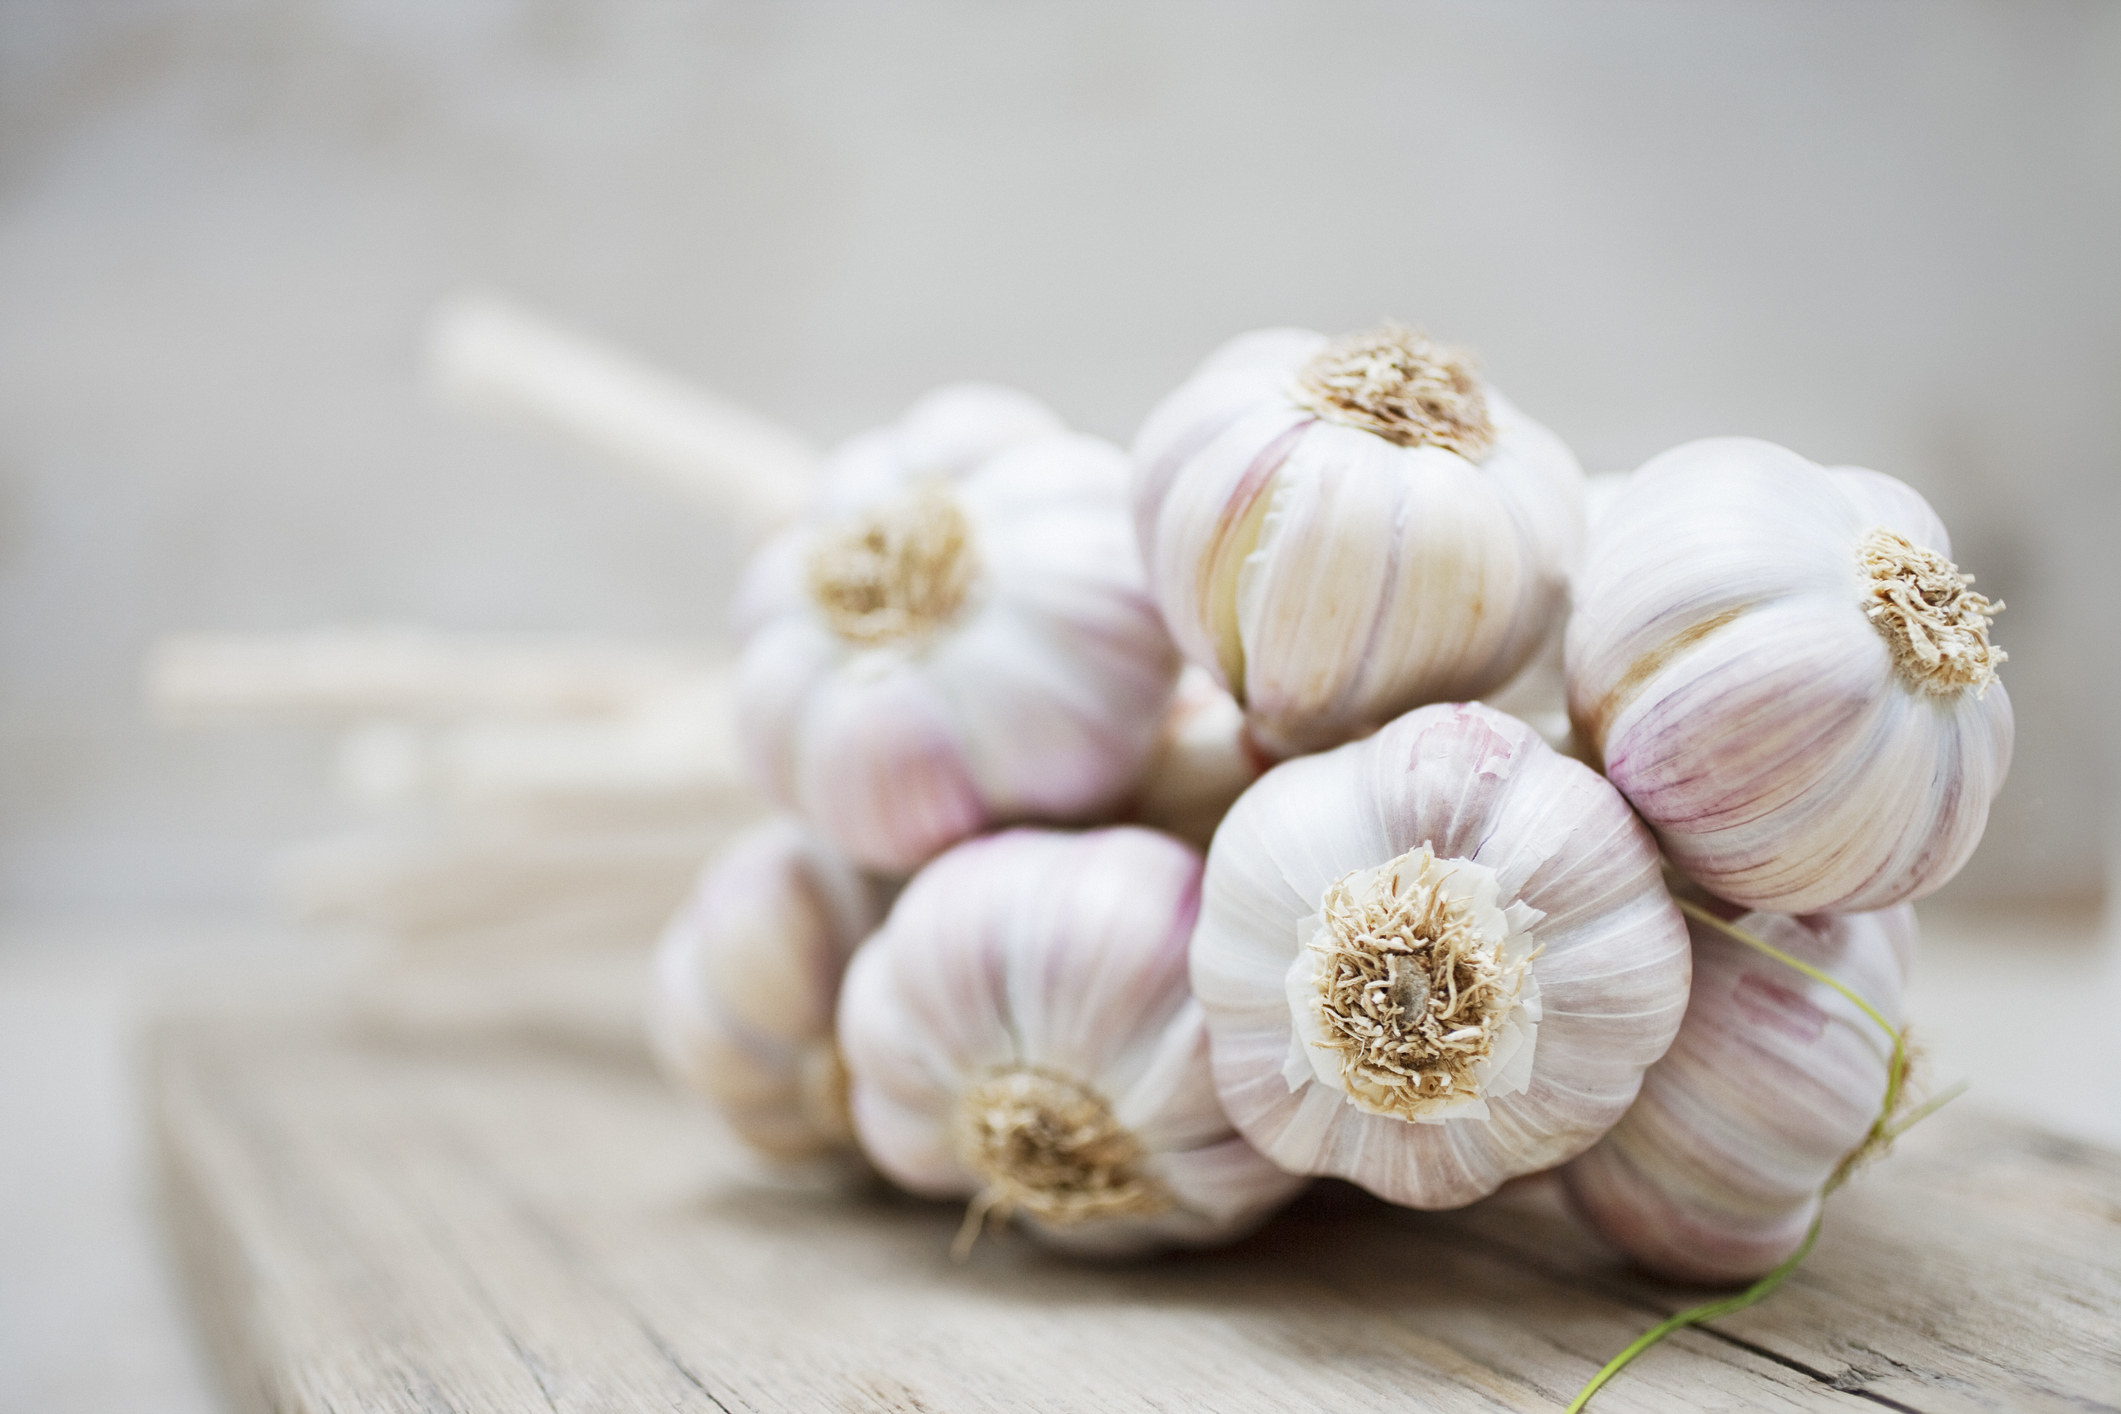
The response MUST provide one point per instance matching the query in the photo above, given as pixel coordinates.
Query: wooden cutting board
(379, 1219)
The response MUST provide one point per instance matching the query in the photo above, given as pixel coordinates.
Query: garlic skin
(955, 655)
(1340, 885)
(747, 976)
(1021, 1033)
(1539, 695)
(1741, 660)
(1340, 530)
(1715, 1174)
(1203, 762)
(946, 433)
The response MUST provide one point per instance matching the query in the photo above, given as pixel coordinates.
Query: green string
(1882, 1132)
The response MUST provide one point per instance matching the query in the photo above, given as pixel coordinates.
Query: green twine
(1883, 1131)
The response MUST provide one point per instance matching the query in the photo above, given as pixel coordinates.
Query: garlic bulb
(1539, 696)
(1203, 761)
(956, 654)
(746, 979)
(946, 433)
(1020, 1033)
(1435, 959)
(1340, 530)
(1783, 671)
(1715, 1174)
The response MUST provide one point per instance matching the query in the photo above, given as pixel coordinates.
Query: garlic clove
(1546, 864)
(1725, 664)
(1884, 500)
(886, 766)
(746, 982)
(1032, 729)
(1308, 591)
(1054, 678)
(1021, 1031)
(1170, 1099)
(924, 1159)
(1206, 524)
(1715, 1174)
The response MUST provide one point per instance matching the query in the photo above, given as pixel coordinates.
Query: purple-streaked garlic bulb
(944, 434)
(1435, 959)
(1782, 669)
(1020, 1033)
(746, 980)
(961, 652)
(1342, 529)
(1715, 1174)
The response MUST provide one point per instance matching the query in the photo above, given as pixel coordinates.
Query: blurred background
(1880, 234)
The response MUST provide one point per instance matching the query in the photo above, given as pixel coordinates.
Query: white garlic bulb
(1435, 959)
(1715, 1174)
(957, 654)
(944, 434)
(747, 977)
(1785, 674)
(1020, 1032)
(1343, 529)
(1203, 762)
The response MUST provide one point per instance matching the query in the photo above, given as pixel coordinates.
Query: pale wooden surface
(375, 1218)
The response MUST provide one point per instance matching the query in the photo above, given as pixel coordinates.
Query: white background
(1879, 233)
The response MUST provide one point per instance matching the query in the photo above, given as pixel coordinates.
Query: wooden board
(372, 1219)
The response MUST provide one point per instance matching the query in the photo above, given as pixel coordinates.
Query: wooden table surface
(378, 1219)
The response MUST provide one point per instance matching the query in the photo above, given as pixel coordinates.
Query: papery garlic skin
(1714, 1175)
(1332, 577)
(1204, 760)
(1539, 695)
(1033, 966)
(946, 433)
(1543, 865)
(1034, 693)
(1724, 663)
(746, 982)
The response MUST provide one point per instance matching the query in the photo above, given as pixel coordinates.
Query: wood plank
(373, 1219)
(1976, 1268)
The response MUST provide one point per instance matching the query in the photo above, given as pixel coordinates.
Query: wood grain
(378, 1219)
